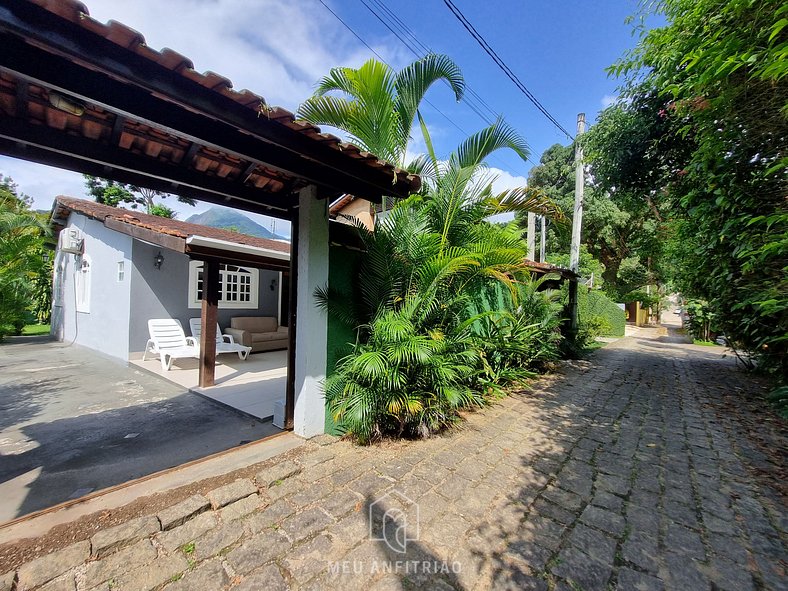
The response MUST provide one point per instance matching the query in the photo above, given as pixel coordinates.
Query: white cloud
(609, 99)
(503, 182)
(276, 49)
(42, 183)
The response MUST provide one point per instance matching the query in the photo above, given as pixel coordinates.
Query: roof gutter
(228, 246)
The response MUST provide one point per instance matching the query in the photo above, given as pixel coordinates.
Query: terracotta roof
(340, 204)
(179, 229)
(237, 170)
(128, 38)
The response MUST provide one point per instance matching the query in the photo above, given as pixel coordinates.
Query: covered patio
(252, 386)
(95, 98)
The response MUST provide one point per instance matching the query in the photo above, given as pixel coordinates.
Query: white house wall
(105, 326)
(163, 293)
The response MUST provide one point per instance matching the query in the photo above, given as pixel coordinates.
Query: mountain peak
(232, 220)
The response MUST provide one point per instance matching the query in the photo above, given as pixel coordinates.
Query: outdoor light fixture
(273, 284)
(158, 260)
(66, 104)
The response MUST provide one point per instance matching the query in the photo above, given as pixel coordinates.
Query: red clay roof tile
(99, 211)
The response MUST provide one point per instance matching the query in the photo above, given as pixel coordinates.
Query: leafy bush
(519, 335)
(601, 313)
(720, 72)
(401, 380)
(701, 319)
(779, 398)
(21, 239)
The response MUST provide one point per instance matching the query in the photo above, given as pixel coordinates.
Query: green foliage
(621, 241)
(442, 313)
(600, 313)
(779, 398)
(519, 334)
(589, 267)
(117, 194)
(718, 69)
(597, 316)
(379, 106)
(36, 329)
(22, 236)
(162, 211)
(701, 319)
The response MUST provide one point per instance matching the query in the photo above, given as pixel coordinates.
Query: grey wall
(105, 327)
(164, 293)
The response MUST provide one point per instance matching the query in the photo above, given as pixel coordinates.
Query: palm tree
(433, 269)
(436, 309)
(380, 106)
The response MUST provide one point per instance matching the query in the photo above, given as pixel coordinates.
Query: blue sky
(279, 49)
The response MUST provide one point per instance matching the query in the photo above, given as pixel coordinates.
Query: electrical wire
(502, 65)
(471, 99)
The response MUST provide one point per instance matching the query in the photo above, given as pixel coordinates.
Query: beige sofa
(261, 333)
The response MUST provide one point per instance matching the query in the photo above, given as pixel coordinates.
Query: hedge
(594, 303)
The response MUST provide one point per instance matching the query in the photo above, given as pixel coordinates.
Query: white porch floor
(251, 386)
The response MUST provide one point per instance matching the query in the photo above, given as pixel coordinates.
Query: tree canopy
(23, 270)
(115, 194)
(712, 89)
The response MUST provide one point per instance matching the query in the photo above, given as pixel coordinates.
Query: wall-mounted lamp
(66, 104)
(158, 260)
(273, 284)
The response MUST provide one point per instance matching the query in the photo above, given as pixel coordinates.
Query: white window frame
(82, 282)
(224, 273)
(121, 271)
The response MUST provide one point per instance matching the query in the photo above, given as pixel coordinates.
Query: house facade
(108, 281)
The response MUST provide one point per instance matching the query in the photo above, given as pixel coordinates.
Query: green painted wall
(342, 269)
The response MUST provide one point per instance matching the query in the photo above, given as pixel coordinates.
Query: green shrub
(779, 398)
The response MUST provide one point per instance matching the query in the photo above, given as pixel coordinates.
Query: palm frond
(413, 81)
(500, 135)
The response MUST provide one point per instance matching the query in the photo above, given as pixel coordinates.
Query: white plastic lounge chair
(168, 341)
(225, 343)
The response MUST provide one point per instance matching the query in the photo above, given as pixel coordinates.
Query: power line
(502, 65)
(476, 105)
(368, 46)
(420, 50)
(426, 49)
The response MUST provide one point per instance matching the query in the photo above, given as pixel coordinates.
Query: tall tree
(115, 194)
(619, 231)
(719, 69)
(21, 256)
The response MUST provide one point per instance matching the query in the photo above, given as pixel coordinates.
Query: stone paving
(615, 474)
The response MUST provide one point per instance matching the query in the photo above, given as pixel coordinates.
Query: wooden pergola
(94, 98)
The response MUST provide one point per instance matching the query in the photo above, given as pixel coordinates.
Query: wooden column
(291, 323)
(210, 306)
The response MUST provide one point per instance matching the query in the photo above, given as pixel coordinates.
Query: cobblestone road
(616, 474)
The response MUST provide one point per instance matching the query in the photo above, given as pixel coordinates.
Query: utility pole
(544, 236)
(531, 236)
(577, 222)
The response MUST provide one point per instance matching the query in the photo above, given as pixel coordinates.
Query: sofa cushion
(258, 337)
(254, 323)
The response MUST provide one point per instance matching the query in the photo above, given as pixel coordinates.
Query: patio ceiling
(94, 98)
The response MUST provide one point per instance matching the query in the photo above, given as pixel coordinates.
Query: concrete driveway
(72, 422)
